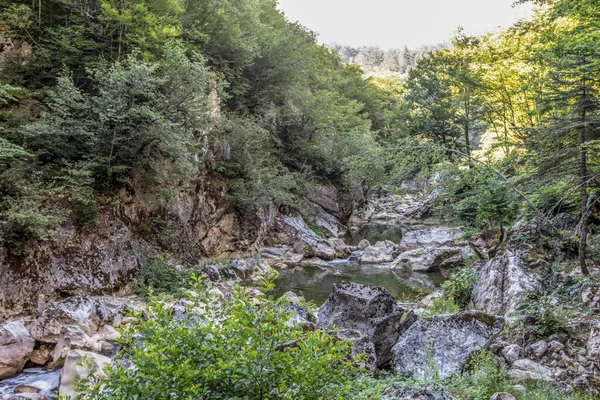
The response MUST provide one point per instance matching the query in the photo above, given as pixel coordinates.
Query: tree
(573, 94)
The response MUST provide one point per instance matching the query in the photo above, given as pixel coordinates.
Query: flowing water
(316, 283)
(46, 381)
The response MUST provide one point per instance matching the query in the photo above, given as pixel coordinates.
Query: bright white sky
(395, 23)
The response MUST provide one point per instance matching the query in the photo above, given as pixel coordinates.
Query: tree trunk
(584, 211)
(583, 172)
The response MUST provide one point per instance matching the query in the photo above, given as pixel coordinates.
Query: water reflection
(316, 283)
(375, 233)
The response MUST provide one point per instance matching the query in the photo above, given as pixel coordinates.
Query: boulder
(523, 370)
(539, 348)
(304, 240)
(299, 314)
(402, 392)
(88, 313)
(427, 259)
(330, 225)
(16, 345)
(23, 396)
(74, 372)
(340, 247)
(381, 252)
(326, 196)
(593, 344)
(502, 282)
(445, 341)
(71, 338)
(511, 353)
(369, 310)
(435, 236)
(363, 244)
(502, 396)
(41, 355)
(27, 389)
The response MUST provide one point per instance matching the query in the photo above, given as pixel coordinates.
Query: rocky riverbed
(371, 286)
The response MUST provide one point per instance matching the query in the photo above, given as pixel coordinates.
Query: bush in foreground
(211, 348)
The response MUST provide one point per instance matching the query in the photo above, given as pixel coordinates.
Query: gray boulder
(502, 282)
(445, 341)
(381, 252)
(524, 370)
(402, 392)
(593, 344)
(16, 345)
(435, 236)
(427, 259)
(511, 353)
(304, 240)
(88, 313)
(299, 314)
(502, 396)
(369, 310)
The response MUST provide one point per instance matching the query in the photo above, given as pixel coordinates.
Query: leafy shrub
(159, 277)
(236, 349)
(557, 197)
(460, 286)
(24, 222)
(483, 377)
(544, 316)
(442, 306)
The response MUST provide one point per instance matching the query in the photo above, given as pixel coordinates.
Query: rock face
(428, 259)
(446, 341)
(71, 371)
(502, 282)
(293, 229)
(105, 257)
(16, 345)
(373, 312)
(381, 252)
(102, 260)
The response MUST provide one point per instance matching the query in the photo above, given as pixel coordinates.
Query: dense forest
(504, 128)
(96, 92)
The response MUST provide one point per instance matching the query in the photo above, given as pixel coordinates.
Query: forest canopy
(95, 93)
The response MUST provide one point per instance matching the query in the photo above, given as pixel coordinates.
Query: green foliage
(443, 305)
(236, 349)
(543, 316)
(556, 197)
(136, 118)
(460, 286)
(159, 276)
(483, 377)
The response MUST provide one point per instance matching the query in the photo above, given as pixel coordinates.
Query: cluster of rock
(62, 335)
(387, 332)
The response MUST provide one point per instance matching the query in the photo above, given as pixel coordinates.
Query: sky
(395, 23)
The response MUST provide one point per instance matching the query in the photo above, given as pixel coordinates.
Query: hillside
(198, 194)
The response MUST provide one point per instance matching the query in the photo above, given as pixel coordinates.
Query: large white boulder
(16, 345)
(502, 282)
(72, 372)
